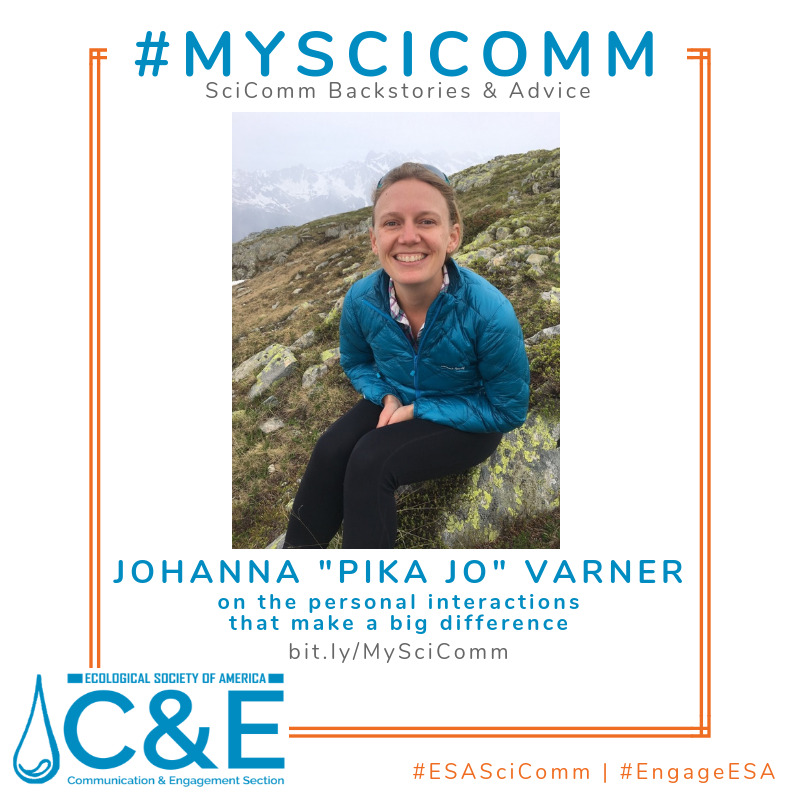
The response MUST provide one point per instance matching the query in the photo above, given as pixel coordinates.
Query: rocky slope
(288, 386)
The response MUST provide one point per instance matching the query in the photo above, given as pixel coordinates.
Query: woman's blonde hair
(419, 172)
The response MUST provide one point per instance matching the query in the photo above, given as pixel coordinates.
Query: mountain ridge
(267, 199)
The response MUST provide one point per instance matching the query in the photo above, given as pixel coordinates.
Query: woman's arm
(358, 360)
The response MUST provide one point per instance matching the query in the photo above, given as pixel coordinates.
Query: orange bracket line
(499, 736)
(96, 56)
(703, 729)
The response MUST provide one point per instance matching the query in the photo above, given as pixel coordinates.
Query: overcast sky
(323, 140)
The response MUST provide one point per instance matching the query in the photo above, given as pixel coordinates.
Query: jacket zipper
(428, 326)
(438, 303)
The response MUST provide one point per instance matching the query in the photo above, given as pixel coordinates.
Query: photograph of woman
(436, 352)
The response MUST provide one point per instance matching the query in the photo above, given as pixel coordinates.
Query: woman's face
(412, 234)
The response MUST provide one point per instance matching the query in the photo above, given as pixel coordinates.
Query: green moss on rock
(521, 477)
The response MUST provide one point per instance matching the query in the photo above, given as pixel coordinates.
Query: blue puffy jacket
(470, 371)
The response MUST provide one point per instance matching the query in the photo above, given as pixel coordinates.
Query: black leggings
(355, 469)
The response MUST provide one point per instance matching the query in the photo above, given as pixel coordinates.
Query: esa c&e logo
(44, 751)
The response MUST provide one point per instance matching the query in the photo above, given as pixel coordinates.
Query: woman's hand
(390, 405)
(402, 414)
(394, 411)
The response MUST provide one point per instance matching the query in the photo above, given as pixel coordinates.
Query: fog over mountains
(295, 195)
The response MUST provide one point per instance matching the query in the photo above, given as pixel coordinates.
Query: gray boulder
(343, 230)
(482, 239)
(279, 362)
(302, 307)
(252, 254)
(313, 374)
(252, 365)
(536, 259)
(276, 245)
(521, 477)
(306, 340)
(273, 424)
(546, 333)
(553, 296)
(335, 312)
(329, 357)
(522, 252)
(474, 177)
(277, 544)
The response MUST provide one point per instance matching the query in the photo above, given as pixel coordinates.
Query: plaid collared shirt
(399, 315)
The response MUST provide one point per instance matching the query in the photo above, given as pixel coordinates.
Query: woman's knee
(331, 452)
(367, 464)
(334, 447)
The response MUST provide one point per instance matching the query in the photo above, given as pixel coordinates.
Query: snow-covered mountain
(295, 195)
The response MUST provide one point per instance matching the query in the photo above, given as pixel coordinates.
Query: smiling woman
(438, 355)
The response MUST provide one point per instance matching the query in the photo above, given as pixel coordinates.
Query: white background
(629, 412)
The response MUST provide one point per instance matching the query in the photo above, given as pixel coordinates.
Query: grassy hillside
(295, 276)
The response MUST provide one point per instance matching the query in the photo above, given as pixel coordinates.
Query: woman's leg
(388, 457)
(317, 510)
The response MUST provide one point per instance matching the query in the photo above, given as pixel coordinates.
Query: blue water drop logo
(41, 745)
